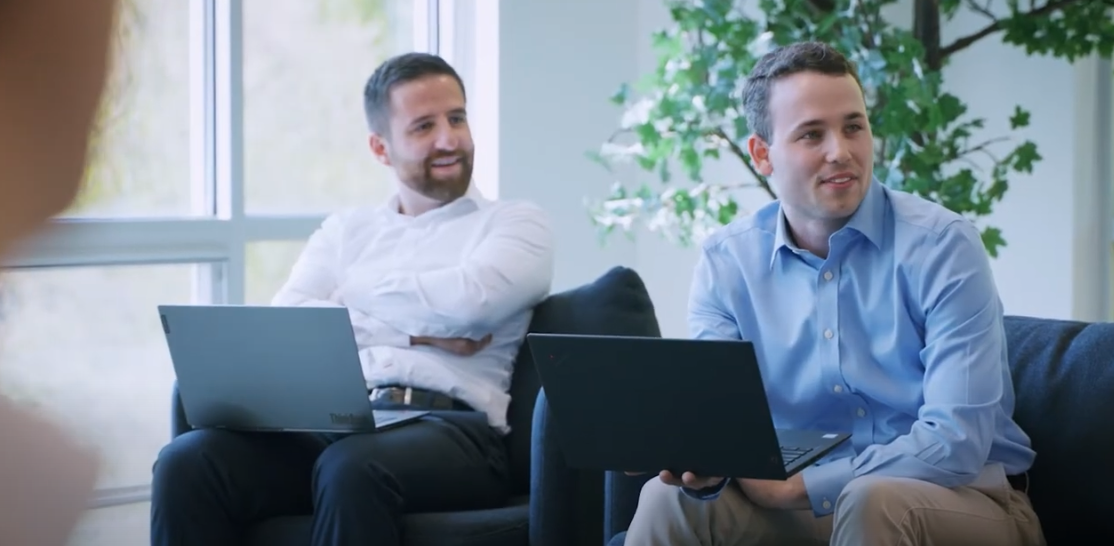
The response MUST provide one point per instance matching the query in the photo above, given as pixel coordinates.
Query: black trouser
(211, 486)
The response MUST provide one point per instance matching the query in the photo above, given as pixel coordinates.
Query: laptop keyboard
(791, 454)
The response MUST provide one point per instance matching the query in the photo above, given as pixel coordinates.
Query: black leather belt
(417, 398)
(1019, 482)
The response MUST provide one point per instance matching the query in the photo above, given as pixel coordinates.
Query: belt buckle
(407, 395)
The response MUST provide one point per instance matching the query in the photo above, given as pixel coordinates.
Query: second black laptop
(643, 404)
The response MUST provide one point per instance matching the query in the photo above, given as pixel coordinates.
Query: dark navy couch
(1063, 372)
(552, 505)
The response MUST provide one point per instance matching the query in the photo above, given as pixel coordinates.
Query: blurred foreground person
(53, 67)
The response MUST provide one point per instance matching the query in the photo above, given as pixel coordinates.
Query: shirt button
(827, 505)
(861, 412)
(827, 275)
(828, 334)
(838, 388)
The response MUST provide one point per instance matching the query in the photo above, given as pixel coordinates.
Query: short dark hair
(399, 69)
(786, 61)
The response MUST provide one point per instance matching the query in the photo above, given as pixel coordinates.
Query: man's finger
(668, 477)
(697, 482)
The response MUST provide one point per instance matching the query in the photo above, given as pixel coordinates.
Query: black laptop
(643, 404)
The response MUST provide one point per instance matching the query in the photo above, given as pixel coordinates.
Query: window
(1106, 169)
(230, 128)
(125, 524)
(267, 265)
(305, 138)
(84, 344)
(140, 164)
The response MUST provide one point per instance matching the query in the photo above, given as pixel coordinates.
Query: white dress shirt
(467, 269)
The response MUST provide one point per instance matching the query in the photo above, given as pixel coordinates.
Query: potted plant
(688, 111)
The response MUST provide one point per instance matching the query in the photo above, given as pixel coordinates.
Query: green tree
(687, 110)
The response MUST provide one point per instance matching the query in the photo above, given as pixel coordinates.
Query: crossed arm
(963, 357)
(511, 270)
(315, 279)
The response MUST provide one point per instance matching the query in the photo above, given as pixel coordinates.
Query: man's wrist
(823, 484)
(710, 492)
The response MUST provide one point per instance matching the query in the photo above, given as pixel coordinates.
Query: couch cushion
(1063, 374)
(507, 526)
(616, 303)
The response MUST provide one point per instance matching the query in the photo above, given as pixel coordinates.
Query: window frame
(1104, 108)
(217, 238)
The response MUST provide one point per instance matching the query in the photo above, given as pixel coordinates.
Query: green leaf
(727, 211)
(992, 239)
(1020, 118)
(1025, 156)
(620, 95)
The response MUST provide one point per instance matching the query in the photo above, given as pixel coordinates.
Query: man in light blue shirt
(873, 312)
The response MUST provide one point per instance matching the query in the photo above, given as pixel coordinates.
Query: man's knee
(874, 501)
(189, 459)
(662, 502)
(348, 467)
(655, 492)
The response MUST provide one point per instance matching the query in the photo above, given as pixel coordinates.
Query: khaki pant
(870, 511)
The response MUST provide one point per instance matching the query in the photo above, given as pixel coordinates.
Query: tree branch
(965, 42)
(824, 6)
(982, 147)
(735, 149)
(926, 27)
(984, 10)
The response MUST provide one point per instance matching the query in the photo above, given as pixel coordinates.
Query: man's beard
(442, 189)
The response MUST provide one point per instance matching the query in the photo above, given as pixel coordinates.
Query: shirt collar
(871, 215)
(868, 220)
(472, 197)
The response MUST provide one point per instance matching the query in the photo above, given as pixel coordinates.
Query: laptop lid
(267, 368)
(650, 404)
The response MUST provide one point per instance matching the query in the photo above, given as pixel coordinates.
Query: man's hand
(688, 479)
(777, 495)
(457, 345)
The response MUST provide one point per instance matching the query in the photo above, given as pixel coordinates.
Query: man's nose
(447, 139)
(839, 151)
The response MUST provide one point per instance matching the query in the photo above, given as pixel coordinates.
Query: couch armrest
(621, 498)
(178, 423)
(566, 505)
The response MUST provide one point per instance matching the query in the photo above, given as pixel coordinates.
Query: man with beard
(440, 284)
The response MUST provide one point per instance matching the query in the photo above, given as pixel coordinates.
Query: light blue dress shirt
(897, 338)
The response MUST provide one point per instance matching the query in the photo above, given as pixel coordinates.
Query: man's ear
(378, 146)
(759, 151)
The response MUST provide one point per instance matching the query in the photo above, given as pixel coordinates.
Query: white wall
(558, 66)
(559, 61)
